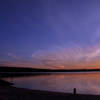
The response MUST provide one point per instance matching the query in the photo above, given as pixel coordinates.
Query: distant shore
(22, 69)
(6, 71)
(14, 93)
(27, 74)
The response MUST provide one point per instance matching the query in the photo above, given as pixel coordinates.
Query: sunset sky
(52, 34)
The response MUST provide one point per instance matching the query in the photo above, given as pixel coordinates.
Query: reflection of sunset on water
(86, 83)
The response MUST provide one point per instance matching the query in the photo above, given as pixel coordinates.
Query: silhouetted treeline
(18, 69)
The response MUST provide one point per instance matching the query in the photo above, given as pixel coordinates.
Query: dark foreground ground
(13, 93)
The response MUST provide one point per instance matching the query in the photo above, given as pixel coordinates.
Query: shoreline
(28, 74)
(15, 93)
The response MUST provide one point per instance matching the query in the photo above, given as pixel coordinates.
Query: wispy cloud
(75, 57)
(14, 60)
(58, 57)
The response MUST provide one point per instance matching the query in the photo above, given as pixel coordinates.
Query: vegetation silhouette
(22, 69)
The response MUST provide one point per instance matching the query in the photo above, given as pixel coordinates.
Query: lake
(84, 82)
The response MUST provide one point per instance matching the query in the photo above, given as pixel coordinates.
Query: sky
(62, 34)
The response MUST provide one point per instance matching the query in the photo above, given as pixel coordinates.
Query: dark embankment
(17, 71)
(22, 69)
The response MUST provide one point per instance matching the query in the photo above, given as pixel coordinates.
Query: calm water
(87, 83)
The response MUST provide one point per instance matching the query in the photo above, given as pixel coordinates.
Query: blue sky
(50, 33)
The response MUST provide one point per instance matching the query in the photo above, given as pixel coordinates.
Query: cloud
(64, 57)
(14, 60)
(14, 56)
(60, 57)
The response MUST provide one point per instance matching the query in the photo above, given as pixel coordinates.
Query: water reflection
(87, 83)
